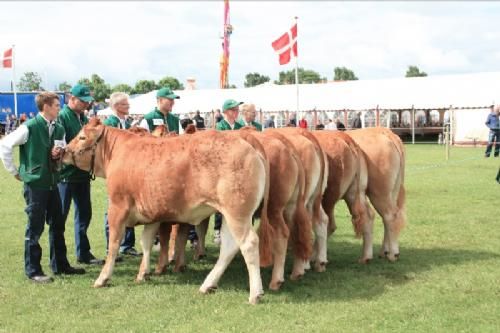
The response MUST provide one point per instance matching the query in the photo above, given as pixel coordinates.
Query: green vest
(72, 124)
(255, 124)
(223, 125)
(114, 121)
(36, 168)
(170, 120)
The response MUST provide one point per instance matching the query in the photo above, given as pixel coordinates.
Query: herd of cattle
(292, 178)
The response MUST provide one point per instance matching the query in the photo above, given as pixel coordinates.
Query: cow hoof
(99, 284)
(392, 258)
(255, 300)
(208, 290)
(320, 268)
(201, 257)
(160, 270)
(296, 277)
(180, 269)
(275, 286)
(383, 254)
(364, 261)
(142, 278)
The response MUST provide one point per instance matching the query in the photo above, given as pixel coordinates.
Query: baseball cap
(166, 92)
(229, 104)
(82, 92)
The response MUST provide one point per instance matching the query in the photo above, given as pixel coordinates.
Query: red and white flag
(7, 59)
(286, 45)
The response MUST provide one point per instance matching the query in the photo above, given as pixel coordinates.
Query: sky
(124, 42)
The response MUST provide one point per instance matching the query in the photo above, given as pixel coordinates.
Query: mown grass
(447, 280)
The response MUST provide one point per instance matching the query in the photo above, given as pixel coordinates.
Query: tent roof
(440, 91)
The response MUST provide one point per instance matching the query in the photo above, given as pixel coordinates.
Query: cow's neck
(104, 151)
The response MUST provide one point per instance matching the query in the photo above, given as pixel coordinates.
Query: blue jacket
(492, 122)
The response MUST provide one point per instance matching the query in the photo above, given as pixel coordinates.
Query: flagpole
(297, 76)
(14, 80)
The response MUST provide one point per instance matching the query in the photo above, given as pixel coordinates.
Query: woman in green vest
(40, 142)
(119, 104)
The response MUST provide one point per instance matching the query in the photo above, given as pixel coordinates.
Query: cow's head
(81, 150)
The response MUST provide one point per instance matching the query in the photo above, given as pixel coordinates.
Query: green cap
(166, 92)
(229, 104)
(82, 92)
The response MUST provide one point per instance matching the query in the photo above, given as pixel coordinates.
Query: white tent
(432, 92)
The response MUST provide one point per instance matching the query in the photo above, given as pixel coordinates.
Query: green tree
(122, 87)
(343, 74)
(171, 82)
(413, 71)
(30, 81)
(254, 79)
(64, 86)
(100, 89)
(305, 76)
(144, 86)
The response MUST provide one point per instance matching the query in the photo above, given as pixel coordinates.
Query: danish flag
(7, 59)
(286, 45)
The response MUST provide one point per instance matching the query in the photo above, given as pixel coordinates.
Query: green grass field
(447, 279)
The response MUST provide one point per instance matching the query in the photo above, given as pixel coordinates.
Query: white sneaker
(217, 237)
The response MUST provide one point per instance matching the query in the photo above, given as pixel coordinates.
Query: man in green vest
(230, 108)
(40, 142)
(162, 113)
(248, 119)
(119, 104)
(75, 183)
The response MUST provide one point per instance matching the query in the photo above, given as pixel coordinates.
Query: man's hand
(56, 153)
(18, 177)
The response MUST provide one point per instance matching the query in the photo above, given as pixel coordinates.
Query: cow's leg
(147, 239)
(116, 220)
(280, 244)
(201, 231)
(389, 213)
(180, 247)
(171, 244)
(362, 220)
(320, 243)
(164, 233)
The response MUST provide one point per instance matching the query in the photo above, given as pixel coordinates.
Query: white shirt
(331, 126)
(144, 124)
(17, 138)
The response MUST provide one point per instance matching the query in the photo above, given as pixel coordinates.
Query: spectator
(40, 141)
(249, 114)
(120, 105)
(186, 121)
(31, 115)
(75, 183)
(331, 125)
(269, 123)
(493, 124)
(320, 126)
(162, 113)
(293, 121)
(340, 125)
(357, 121)
(303, 122)
(218, 116)
(231, 109)
(199, 121)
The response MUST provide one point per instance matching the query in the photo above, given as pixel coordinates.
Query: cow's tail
(319, 195)
(400, 219)
(265, 231)
(302, 229)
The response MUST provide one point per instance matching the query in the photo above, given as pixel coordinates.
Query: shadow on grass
(344, 279)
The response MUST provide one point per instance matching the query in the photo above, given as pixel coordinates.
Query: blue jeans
(43, 206)
(494, 136)
(129, 239)
(80, 194)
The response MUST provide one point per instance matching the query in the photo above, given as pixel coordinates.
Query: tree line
(32, 81)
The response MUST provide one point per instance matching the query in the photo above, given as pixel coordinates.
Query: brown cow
(184, 181)
(347, 179)
(314, 162)
(385, 158)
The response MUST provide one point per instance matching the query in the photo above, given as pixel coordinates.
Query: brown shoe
(41, 279)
